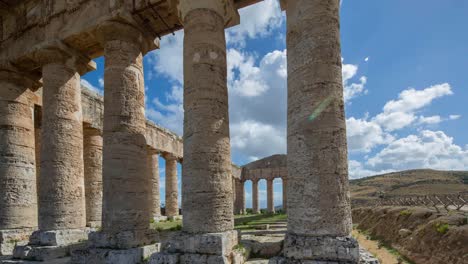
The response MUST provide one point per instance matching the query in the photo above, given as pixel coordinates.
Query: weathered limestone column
(240, 197)
(270, 197)
(126, 185)
(206, 177)
(153, 174)
(18, 198)
(255, 204)
(207, 162)
(92, 154)
(285, 195)
(61, 193)
(172, 194)
(319, 219)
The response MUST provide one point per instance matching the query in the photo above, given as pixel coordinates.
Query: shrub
(442, 228)
(405, 212)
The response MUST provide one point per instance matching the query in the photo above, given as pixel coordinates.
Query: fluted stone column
(285, 195)
(153, 174)
(126, 185)
(207, 154)
(172, 194)
(255, 204)
(319, 219)
(92, 154)
(61, 193)
(18, 197)
(240, 197)
(270, 197)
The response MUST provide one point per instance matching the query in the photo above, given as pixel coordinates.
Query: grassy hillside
(411, 182)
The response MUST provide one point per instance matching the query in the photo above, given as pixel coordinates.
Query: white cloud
(91, 87)
(352, 90)
(363, 135)
(257, 20)
(430, 119)
(101, 83)
(400, 113)
(428, 149)
(168, 60)
(454, 117)
(256, 139)
(357, 170)
(366, 59)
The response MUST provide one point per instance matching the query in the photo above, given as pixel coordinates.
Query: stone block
(11, 237)
(164, 258)
(220, 244)
(53, 261)
(59, 237)
(114, 256)
(123, 239)
(40, 253)
(321, 248)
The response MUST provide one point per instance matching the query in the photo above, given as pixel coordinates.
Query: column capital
(283, 4)
(225, 8)
(111, 30)
(9, 72)
(169, 156)
(57, 52)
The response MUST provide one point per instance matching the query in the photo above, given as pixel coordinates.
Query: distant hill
(410, 182)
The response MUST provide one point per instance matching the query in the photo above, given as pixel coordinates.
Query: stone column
(285, 195)
(207, 154)
(240, 197)
(255, 204)
(270, 197)
(126, 190)
(317, 151)
(18, 197)
(153, 174)
(92, 154)
(172, 194)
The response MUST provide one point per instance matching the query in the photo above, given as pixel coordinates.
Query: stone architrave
(319, 211)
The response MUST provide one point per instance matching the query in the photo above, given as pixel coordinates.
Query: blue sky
(405, 80)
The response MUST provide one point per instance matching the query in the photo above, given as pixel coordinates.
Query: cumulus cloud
(454, 117)
(352, 89)
(168, 60)
(400, 113)
(364, 135)
(430, 119)
(428, 149)
(258, 20)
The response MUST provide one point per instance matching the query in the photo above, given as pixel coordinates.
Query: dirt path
(384, 256)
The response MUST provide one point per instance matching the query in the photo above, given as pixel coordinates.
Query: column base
(52, 246)
(182, 247)
(123, 239)
(114, 256)
(9, 238)
(321, 249)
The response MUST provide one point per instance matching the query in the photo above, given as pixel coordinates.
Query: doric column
(270, 197)
(285, 195)
(240, 197)
(172, 194)
(207, 163)
(255, 204)
(18, 197)
(61, 193)
(126, 185)
(153, 174)
(317, 152)
(92, 154)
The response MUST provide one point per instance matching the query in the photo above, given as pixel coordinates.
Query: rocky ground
(422, 235)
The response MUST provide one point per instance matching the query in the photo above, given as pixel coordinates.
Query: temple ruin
(76, 167)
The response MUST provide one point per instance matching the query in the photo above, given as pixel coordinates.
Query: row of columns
(317, 158)
(239, 201)
(83, 175)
